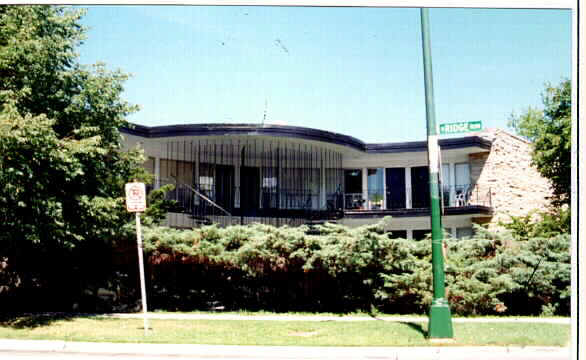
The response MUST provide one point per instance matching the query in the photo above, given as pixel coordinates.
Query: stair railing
(204, 197)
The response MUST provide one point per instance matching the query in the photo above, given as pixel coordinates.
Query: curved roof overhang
(297, 132)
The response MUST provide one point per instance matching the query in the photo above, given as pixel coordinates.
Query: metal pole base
(440, 320)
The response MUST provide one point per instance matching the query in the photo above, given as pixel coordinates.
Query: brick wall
(516, 187)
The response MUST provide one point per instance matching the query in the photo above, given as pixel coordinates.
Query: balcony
(207, 203)
(466, 195)
(459, 199)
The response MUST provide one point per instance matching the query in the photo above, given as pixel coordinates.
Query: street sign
(460, 127)
(135, 197)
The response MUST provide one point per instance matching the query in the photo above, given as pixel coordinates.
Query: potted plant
(376, 201)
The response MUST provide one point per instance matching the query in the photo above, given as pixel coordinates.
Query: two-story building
(242, 173)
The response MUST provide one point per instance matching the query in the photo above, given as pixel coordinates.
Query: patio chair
(462, 196)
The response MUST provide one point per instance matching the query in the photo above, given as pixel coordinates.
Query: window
(206, 183)
(395, 182)
(149, 165)
(420, 187)
(462, 186)
(206, 177)
(353, 189)
(269, 183)
(446, 185)
(375, 188)
(464, 232)
(462, 174)
(353, 181)
(270, 196)
(420, 234)
(397, 234)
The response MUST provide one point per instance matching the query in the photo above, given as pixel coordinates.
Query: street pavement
(49, 350)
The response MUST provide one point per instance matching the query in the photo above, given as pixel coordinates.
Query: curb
(171, 316)
(33, 345)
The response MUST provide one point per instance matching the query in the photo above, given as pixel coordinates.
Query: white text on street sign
(460, 127)
(135, 197)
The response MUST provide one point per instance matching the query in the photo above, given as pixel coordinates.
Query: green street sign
(460, 127)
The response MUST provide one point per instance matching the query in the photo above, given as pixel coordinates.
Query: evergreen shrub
(339, 269)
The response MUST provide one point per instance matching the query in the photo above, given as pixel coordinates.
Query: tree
(550, 132)
(62, 169)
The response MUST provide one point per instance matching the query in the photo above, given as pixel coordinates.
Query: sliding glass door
(395, 181)
(420, 187)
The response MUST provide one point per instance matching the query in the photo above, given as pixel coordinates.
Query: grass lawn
(302, 333)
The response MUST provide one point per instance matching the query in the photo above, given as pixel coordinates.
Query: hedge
(339, 269)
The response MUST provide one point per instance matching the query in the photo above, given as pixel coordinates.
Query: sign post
(440, 318)
(136, 203)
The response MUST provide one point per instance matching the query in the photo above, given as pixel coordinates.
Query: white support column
(365, 188)
(408, 188)
(157, 172)
(410, 234)
(452, 184)
(323, 199)
(237, 181)
(454, 232)
(384, 188)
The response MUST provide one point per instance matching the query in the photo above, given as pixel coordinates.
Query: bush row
(335, 268)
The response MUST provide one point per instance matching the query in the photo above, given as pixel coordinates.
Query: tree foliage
(61, 166)
(550, 132)
(544, 224)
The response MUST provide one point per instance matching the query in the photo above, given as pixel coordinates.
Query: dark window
(420, 234)
(398, 234)
(353, 189)
(420, 187)
(270, 188)
(206, 185)
(395, 188)
(353, 181)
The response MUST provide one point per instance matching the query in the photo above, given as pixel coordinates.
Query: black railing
(205, 204)
(353, 201)
(452, 196)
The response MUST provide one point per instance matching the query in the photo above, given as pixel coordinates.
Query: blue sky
(356, 71)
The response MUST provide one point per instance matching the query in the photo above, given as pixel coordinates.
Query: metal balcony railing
(418, 198)
(466, 195)
(208, 203)
(353, 201)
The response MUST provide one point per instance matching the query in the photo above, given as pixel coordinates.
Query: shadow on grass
(31, 321)
(417, 327)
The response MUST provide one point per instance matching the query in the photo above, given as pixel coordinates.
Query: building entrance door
(249, 188)
(225, 186)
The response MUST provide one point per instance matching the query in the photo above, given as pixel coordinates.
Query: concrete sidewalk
(285, 352)
(286, 317)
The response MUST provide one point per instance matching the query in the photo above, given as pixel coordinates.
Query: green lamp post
(440, 318)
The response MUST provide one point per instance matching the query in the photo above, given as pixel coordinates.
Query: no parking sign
(135, 197)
